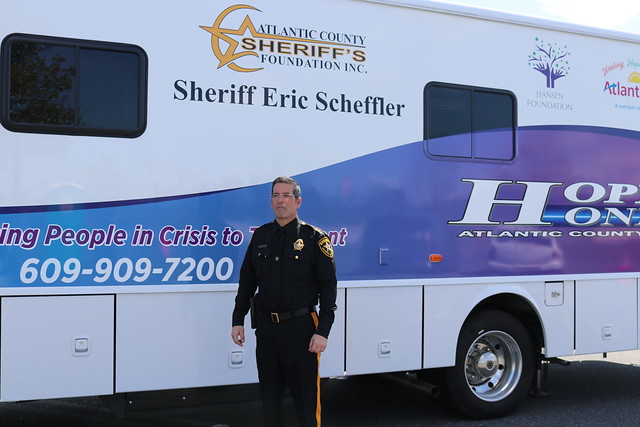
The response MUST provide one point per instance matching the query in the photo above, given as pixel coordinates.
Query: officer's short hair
(297, 192)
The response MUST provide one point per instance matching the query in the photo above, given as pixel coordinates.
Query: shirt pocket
(259, 258)
(299, 265)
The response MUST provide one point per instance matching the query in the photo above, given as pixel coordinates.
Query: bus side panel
(179, 340)
(68, 352)
(606, 315)
(557, 313)
(383, 329)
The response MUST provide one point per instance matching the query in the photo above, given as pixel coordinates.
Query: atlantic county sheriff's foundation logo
(243, 46)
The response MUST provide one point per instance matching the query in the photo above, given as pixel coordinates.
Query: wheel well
(518, 307)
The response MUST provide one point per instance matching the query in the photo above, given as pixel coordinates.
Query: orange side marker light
(435, 258)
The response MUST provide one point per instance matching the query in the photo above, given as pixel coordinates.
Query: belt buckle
(275, 318)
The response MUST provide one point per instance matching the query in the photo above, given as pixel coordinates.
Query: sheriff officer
(290, 264)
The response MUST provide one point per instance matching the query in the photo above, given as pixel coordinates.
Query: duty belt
(281, 317)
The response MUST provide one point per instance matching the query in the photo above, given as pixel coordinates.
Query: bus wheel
(494, 367)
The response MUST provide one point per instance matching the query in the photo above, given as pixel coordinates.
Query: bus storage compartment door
(606, 315)
(384, 329)
(56, 346)
(180, 340)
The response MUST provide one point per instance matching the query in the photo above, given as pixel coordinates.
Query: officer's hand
(318, 344)
(237, 334)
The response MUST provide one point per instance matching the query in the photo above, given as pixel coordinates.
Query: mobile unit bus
(476, 172)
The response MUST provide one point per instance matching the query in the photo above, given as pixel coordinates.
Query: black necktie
(275, 263)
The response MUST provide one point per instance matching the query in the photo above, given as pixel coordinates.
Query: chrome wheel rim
(493, 366)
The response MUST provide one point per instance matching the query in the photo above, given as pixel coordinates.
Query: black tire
(495, 363)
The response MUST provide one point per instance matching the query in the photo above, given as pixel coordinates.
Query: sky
(619, 15)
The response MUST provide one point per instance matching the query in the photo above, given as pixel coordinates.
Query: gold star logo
(218, 33)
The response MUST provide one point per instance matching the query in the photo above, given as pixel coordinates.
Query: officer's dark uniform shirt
(291, 267)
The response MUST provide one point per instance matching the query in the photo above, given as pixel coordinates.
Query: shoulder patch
(325, 246)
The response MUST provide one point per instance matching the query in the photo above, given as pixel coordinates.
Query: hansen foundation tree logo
(550, 60)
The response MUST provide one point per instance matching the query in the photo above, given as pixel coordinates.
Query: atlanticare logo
(616, 88)
(583, 204)
(623, 85)
(243, 46)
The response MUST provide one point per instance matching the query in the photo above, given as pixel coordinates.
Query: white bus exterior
(476, 171)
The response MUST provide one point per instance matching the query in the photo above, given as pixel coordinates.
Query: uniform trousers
(283, 359)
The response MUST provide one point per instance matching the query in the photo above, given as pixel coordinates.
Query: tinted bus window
(75, 87)
(467, 122)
